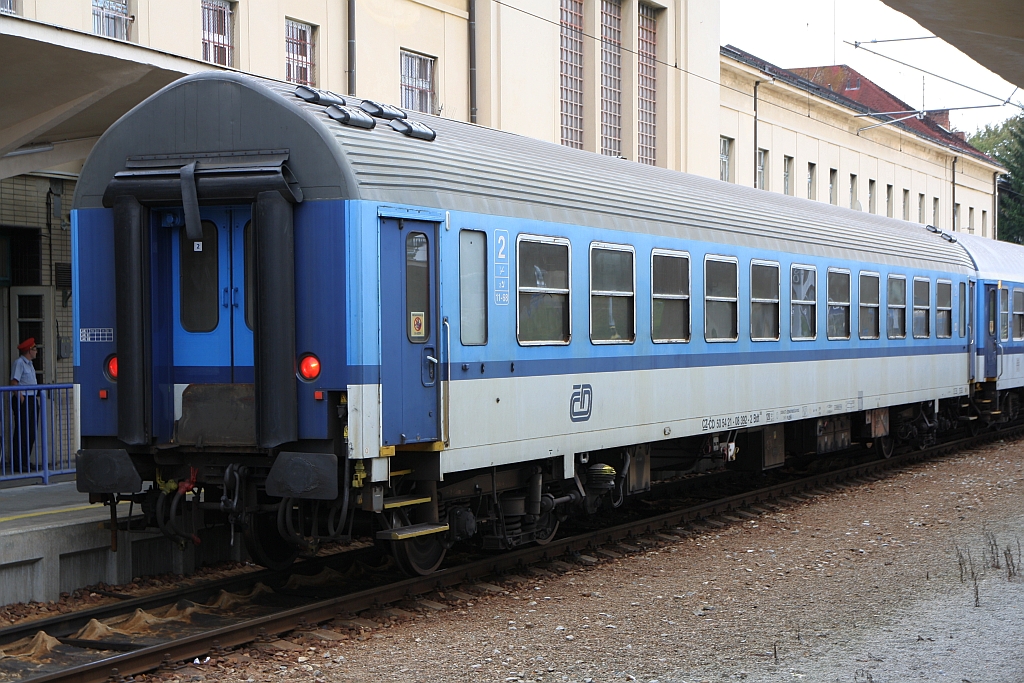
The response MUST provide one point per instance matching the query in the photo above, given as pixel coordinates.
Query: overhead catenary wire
(680, 69)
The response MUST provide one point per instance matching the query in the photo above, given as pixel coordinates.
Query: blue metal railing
(38, 431)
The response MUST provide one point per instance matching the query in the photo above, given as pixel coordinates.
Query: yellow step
(404, 501)
(406, 532)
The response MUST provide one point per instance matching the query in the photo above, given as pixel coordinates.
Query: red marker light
(309, 367)
(318, 395)
(111, 368)
(103, 393)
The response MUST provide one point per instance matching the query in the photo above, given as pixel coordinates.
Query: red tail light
(309, 367)
(110, 367)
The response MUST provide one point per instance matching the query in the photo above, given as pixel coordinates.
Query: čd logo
(582, 402)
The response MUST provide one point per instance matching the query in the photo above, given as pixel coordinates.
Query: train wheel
(265, 545)
(888, 445)
(416, 556)
(548, 528)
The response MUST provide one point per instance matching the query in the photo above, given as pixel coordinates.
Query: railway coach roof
(995, 260)
(476, 169)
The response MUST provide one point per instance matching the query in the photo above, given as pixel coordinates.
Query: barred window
(418, 82)
(724, 158)
(611, 77)
(611, 294)
(721, 298)
(764, 301)
(299, 60)
(8, 7)
(110, 18)
(762, 163)
(218, 34)
(869, 306)
(543, 304)
(943, 309)
(787, 175)
(922, 308)
(896, 307)
(1018, 314)
(647, 79)
(812, 181)
(803, 307)
(837, 318)
(670, 296)
(571, 73)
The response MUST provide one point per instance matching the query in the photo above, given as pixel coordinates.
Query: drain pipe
(954, 220)
(352, 47)
(472, 60)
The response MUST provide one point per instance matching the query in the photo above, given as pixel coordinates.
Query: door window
(1004, 314)
(249, 271)
(200, 311)
(417, 288)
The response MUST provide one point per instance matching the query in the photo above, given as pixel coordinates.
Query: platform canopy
(62, 88)
(988, 31)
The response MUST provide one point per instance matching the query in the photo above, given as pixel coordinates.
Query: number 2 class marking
(501, 268)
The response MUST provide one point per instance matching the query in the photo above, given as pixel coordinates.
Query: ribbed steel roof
(995, 260)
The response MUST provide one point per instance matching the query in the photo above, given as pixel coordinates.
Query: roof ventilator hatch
(413, 129)
(351, 116)
(382, 111)
(314, 96)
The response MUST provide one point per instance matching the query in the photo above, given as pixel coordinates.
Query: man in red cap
(23, 372)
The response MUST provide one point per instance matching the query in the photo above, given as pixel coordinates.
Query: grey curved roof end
(480, 170)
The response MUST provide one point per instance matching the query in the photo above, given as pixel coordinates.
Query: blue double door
(213, 303)
(411, 332)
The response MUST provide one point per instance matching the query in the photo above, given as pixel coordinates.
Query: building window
(611, 77)
(812, 181)
(920, 209)
(8, 6)
(787, 175)
(984, 223)
(943, 309)
(611, 294)
(872, 197)
(1018, 314)
(647, 80)
(764, 301)
(803, 295)
(890, 208)
(922, 308)
(543, 305)
(299, 61)
(869, 305)
(721, 298)
(970, 220)
(854, 191)
(833, 187)
(935, 211)
(760, 181)
(670, 296)
(906, 205)
(418, 82)
(110, 18)
(571, 73)
(896, 307)
(956, 218)
(725, 159)
(837, 317)
(472, 287)
(218, 34)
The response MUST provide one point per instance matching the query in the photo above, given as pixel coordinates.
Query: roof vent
(414, 129)
(949, 238)
(351, 117)
(382, 111)
(932, 228)
(314, 96)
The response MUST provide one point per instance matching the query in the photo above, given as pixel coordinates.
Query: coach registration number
(715, 424)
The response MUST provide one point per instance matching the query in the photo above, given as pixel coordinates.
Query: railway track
(224, 634)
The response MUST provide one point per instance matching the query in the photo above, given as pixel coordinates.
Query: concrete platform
(53, 541)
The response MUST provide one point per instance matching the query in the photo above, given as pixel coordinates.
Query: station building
(645, 80)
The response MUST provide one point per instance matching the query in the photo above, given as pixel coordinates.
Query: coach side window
(1018, 314)
(764, 301)
(963, 309)
(721, 298)
(896, 307)
(472, 287)
(612, 286)
(1004, 314)
(922, 308)
(943, 309)
(803, 308)
(543, 301)
(670, 296)
(837, 318)
(869, 304)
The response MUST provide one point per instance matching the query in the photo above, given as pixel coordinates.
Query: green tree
(1005, 143)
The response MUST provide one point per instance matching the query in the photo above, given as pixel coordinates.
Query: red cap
(27, 344)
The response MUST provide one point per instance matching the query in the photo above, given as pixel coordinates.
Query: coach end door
(410, 365)
(991, 331)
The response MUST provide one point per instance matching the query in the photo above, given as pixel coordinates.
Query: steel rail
(259, 629)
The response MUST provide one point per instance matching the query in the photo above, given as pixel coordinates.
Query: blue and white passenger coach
(296, 309)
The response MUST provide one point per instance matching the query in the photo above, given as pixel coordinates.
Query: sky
(798, 33)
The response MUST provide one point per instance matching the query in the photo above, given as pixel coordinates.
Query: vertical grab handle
(447, 385)
(224, 298)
